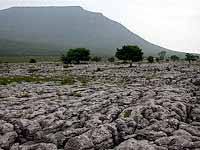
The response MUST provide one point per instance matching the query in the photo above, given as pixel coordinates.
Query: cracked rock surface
(146, 107)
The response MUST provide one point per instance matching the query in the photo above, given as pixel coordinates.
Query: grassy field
(24, 59)
(65, 80)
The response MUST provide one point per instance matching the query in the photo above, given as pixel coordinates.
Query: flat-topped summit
(47, 7)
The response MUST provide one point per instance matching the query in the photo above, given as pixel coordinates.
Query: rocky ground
(146, 107)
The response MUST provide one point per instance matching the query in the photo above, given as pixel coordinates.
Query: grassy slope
(17, 48)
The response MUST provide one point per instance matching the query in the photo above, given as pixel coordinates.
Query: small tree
(111, 59)
(150, 59)
(76, 55)
(162, 55)
(174, 58)
(130, 53)
(96, 59)
(157, 60)
(190, 57)
(32, 60)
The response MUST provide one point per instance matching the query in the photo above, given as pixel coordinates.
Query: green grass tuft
(9, 80)
(83, 80)
(127, 113)
(68, 80)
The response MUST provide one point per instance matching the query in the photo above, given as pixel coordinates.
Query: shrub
(150, 59)
(157, 60)
(96, 59)
(32, 60)
(111, 59)
(127, 113)
(76, 55)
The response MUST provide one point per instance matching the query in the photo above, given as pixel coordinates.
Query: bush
(157, 60)
(150, 59)
(32, 60)
(111, 59)
(76, 55)
(96, 59)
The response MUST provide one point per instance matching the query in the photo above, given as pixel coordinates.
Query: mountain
(52, 30)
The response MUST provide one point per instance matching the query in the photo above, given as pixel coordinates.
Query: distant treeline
(128, 53)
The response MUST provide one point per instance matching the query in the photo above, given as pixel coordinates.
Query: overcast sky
(174, 24)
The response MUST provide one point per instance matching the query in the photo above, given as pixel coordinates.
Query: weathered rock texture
(147, 107)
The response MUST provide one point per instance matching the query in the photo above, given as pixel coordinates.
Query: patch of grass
(68, 80)
(127, 113)
(83, 80)
(25, 59)
(9, 80)
(23, 95)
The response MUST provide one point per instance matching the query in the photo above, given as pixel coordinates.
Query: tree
(190, 57)
(111, 59)
(76, 55)
(129, 53)
(174, 58)
(96, 59)
(162, 55)
(150, 59)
